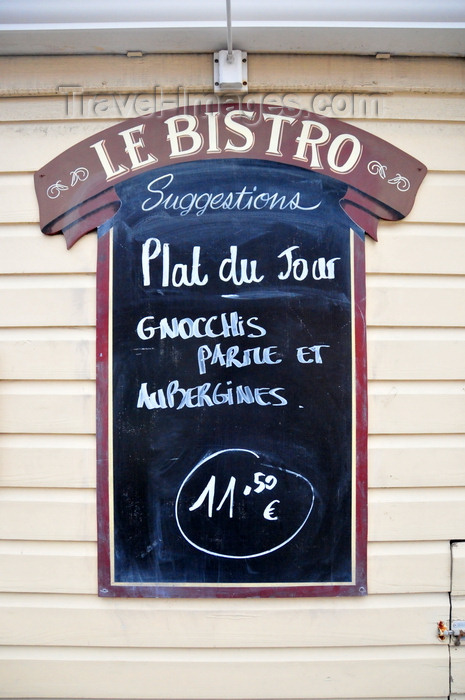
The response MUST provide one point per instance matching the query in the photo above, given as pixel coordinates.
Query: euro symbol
(268, 513)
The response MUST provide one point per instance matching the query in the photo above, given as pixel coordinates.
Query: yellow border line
(354, 407)
(110, 407)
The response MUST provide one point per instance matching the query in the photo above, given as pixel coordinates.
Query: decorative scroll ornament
(78, 175)
(402, 183)
(376, 168)
(56, 189)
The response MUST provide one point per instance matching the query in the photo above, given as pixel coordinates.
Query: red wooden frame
(358, 586)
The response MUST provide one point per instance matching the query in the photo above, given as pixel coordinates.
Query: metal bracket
(230, 71)
(457, 631)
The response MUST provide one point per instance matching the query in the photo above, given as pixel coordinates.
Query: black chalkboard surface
(231, 383)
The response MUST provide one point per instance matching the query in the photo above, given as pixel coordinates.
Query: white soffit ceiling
(398, 27)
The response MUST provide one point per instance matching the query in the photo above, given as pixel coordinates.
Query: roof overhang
(363, 27)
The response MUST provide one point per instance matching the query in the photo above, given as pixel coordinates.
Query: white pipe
(229, 25)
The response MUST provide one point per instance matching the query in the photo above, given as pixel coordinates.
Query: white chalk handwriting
(246, 198)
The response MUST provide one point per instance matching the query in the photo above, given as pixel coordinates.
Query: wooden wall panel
(458, 571)
(45, 514)
(28, 146)
(395, 354)
(391, 301)
(49, 460)
(71, 567)
(57, 301)
(270, 73)
(394, 515)
(47, 407)
(123, 103)
(410, 567)
(69, 407)
(418, 301)
(416, 249)
(416, 460)
(335, 673)
(416, 353)
(402, 248)
(48, 567)
(457, 651)
(416, 514)
(68, 461)
(67, 621)
(37, 353)
(57, 639)
(402, 354)
(30, 253)
(415, 407)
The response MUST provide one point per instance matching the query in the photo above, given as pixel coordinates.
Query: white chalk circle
(235, 504)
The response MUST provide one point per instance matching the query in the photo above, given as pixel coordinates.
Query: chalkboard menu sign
(231, 377)
(231, 382)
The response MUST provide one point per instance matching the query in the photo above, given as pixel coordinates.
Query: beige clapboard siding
(439, 199)
(69, 461)
(119, 105)
(416, 353)
(397, 354)
(38, 353)
(62, 300)
(394, 515)
(392, 300)
(47, 407)
(30, 145)
(55, 461)
(416, 514)
(71, 567)
(38, 75)
(234, 674)
(62, 641)
(458, 570)
(420, 300)
(61, 620)
(402, 248)
(439, 149)
(48, 514)
(416, 407)
(457, 667)
(69, 407)
(18, 201)
(415, 249)
(49, 567)
(26, 250)
(410, 567)
(399, 461)
(457, 653)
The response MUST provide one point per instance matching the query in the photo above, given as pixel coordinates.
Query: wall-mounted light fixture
(230, 66)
